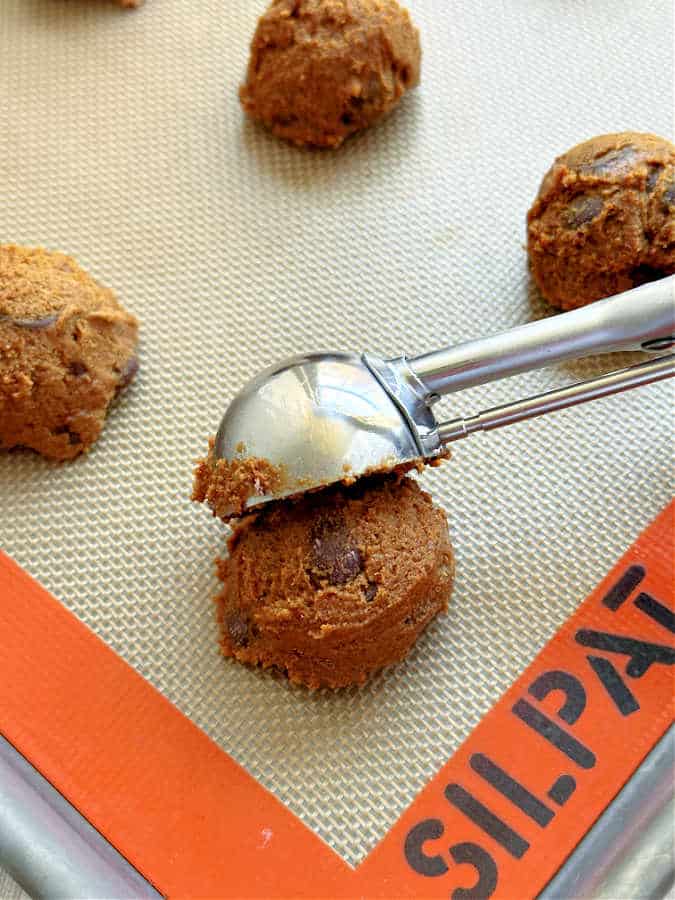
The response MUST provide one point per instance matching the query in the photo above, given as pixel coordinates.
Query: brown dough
(338, 584)
(67, 347)
(604, 219)
(226, 486)
(321, 70)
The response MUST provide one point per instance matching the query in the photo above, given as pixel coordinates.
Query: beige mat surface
(122, 142)
(9, 889)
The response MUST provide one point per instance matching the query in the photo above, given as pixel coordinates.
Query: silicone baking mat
(122, 142)
(9, 889)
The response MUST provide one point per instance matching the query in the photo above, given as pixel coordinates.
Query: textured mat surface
(9, 889)
(122, 142)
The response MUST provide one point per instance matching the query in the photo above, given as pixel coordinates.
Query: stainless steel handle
(603, 386)
(641, 319)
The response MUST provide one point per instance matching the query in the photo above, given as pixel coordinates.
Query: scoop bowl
(321, 419)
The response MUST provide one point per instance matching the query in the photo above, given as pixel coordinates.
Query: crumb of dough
(604, 219)
(321, 70)
(227, 485)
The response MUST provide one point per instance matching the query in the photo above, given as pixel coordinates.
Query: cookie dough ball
(338, 584)
(321, 70)
(604, 219)
(67, 348)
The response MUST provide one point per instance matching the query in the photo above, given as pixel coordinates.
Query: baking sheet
(122, 142)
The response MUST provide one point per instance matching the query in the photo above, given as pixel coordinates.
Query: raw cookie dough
(67, 348)
(338, 584)
(604, 219)
(226, 486)
(321, 70)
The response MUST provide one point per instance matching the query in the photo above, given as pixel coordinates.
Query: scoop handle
(561, 398)
(640, 319)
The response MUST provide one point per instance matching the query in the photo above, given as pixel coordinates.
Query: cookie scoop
(325, 418)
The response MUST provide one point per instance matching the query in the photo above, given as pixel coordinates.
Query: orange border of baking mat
(498, 820)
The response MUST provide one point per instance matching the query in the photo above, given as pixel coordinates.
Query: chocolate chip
(237, 628)
(613, 162)
(334, 556)
(73, 437)
(583, 210)
(346, 119)
(77, 369)
(31, 324)
(669, 196)
(370, 591)
(654, 173)
(644, 274)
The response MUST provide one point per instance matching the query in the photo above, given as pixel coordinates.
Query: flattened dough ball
(67, 347)
(604, 219)
(321, 70)
(338, 584)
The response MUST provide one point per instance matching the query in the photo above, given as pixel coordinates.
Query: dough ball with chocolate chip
(604, 219)
(338, 584)
(321, 70)
(67, 347)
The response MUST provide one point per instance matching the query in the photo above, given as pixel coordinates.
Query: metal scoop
(331, 417)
